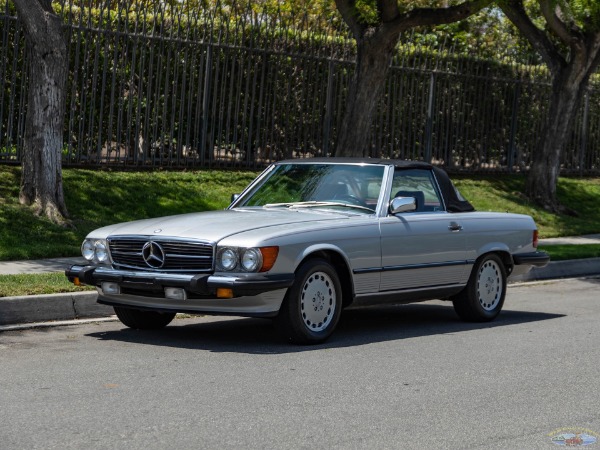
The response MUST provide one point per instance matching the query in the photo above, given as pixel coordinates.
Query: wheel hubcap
(317, 301)
(489, 285)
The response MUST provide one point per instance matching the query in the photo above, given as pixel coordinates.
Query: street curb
(81, 305)
(42, 308)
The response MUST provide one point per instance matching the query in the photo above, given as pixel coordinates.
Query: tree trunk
(567, 90)
(374, 54)
(41, 181)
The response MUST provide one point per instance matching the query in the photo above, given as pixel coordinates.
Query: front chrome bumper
(253, 294)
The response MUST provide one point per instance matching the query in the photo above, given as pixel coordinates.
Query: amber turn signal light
(224, 293)
(269, 256)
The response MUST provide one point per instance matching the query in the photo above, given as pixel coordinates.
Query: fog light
(110, 288)
(175, 293)
(224, 293)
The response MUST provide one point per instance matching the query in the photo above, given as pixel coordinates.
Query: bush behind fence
(153, 85)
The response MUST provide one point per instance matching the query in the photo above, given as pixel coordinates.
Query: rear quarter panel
(489, 232)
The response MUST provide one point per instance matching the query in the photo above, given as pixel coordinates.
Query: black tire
(143, 320)
(483, 297)
(312, 306)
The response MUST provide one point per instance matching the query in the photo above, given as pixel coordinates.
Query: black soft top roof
(395, 162)
(454, 202)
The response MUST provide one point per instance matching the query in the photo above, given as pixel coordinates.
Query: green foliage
(488, 35)
(98, 198)
(585, 14)
(366, 12)
(566, 252)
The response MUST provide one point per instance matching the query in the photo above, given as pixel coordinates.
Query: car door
(425, 248)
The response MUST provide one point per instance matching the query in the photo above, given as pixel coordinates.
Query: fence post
(205, 100)
(328, 109)
(512, 148)
(429, 122)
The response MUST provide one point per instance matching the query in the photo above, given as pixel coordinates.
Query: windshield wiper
(316, 204)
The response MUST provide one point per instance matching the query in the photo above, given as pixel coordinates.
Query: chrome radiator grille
(162, 255)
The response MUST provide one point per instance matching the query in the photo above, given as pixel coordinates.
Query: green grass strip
(566, 252)
(37, 284)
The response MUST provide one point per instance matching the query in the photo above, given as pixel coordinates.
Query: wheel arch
(504, 256)
(503, 253)
(336, 258)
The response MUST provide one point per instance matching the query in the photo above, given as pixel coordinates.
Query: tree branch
(348, 12)
(436, 16)
(516, 13)
(388, 10)
(556, 25)
(593, 49)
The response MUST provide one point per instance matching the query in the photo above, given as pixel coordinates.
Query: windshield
(318, 185)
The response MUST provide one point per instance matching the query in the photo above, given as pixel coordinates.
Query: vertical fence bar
(6, 24)
(13, 92)
(328, 108)
(206, 103)
(512, 145)
(584, 132)
(429, 121)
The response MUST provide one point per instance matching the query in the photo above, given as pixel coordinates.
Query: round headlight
(87, 250)
(101, 251)
(228, 259)
(251, 260)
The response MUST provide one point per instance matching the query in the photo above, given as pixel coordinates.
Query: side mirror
(234, 197)
(403, 204)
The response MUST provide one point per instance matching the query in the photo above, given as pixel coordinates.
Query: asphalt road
(393, 377)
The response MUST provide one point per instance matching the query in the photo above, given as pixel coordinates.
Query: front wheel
(311, 308)
(143, 320)
(482, 299)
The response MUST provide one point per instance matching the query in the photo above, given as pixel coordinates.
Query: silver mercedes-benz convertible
(309, 238)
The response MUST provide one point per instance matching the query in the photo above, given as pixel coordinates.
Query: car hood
(215, 225)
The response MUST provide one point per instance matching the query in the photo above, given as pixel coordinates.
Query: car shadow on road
(356, 327)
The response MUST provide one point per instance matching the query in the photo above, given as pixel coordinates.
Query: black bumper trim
(260, 315)
(537, 259)
(251, 284)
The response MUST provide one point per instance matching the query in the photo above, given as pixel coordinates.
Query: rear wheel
(311, 308)
(143, 320)
(483, 297)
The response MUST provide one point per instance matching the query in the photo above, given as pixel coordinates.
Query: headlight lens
(95, 250)
(251, 260)
(101, 251)
(254, 259)
(228, 258)
(87, 250)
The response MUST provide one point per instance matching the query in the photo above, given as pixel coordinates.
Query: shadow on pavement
(358, 327)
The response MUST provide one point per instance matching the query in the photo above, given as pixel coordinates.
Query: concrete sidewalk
(59, 307)
(38, 265)
(573, 240)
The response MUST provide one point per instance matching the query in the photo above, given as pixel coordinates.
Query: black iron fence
(152, 84)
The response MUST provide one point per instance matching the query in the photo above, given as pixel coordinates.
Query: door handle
(454, 227)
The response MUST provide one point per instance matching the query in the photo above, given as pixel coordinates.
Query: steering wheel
(353, 200)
